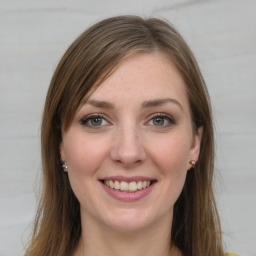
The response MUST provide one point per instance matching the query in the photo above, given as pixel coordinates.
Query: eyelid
(164, 115)
(86, 118)
(84, 121)
(160, 114)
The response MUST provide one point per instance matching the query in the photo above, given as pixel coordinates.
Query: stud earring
(64, 165)
(193, 163)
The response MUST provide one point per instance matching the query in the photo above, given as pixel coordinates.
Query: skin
(129, 140)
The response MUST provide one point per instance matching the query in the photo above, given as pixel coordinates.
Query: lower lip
(128, 196)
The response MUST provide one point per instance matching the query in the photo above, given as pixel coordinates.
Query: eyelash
(85, 121)
(166, 117)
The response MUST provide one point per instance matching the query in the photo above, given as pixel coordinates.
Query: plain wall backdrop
(35, 34)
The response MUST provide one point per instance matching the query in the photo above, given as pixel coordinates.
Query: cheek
(171, 157)
(171, 154)
(83, 156)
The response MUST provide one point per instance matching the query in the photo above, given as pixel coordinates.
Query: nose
(127, 148)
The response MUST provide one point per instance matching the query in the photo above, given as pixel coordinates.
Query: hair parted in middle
(93, 57)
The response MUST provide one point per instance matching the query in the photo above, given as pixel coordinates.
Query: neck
(98, 240)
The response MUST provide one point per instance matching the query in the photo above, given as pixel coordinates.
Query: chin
(129, 220)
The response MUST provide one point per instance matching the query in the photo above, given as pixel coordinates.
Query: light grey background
(33, 37)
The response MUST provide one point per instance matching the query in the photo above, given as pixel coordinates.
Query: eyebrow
(146, 104)
(100, 104)
(160, 102)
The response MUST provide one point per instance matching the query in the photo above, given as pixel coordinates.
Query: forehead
(143, 76)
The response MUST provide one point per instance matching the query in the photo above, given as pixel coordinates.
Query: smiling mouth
(124, 186)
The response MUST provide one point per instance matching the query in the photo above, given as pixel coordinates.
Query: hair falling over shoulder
(92, 57)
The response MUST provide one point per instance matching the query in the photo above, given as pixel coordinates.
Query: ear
(195, 146)
(62, 156)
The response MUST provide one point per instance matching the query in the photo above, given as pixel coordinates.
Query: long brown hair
(87, 62)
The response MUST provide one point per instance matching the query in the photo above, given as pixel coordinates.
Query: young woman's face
(129, 145)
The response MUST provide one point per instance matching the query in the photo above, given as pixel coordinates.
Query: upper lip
(128, 179)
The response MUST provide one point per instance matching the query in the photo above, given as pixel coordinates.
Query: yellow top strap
(232, 254)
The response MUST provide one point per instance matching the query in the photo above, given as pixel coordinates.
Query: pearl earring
(193, 163)
(64, 165)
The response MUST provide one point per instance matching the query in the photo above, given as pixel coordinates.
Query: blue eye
(94, 121)
(161, 120)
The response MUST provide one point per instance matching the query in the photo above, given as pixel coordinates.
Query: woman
(127, 148)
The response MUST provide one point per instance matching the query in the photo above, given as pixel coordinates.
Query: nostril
(127, 150)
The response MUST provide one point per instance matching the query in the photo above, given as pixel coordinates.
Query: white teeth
(144, 184)
(132, 186)
(111, 184)
(124, 186)
(139, 184)
(116, 185)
